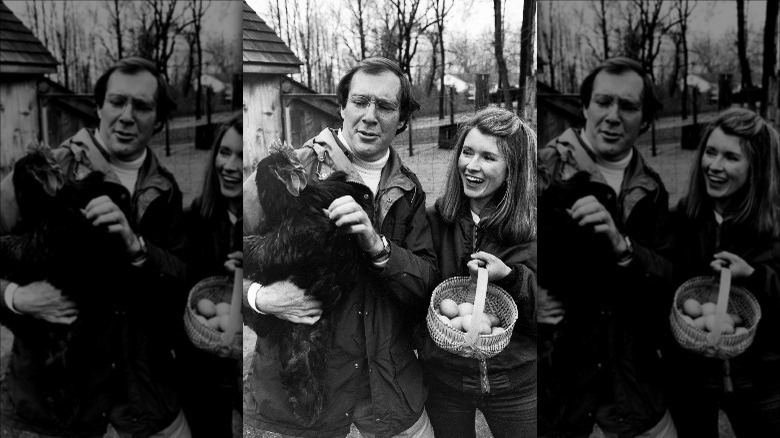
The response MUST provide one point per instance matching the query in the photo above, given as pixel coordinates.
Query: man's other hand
(42, 300)
(287, 301)
(103, 212)
(350, 217)
(589, 212)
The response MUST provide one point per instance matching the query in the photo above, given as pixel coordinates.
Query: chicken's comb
(294, 175)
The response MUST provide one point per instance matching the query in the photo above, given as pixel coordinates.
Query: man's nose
(126, 115)
(613, 113)
(369, 114)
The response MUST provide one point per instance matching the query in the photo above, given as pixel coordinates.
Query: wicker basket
(217, 289)
(740, 302)
(497, 302)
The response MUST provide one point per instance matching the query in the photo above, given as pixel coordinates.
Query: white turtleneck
(126, 171)
(370, 171)
(612, 171)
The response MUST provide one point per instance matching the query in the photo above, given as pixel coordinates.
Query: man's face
(128, 114)
(614, 115)
(371, 114)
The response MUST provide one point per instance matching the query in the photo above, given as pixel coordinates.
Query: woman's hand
(497, 269)
(739, 267)
(235, 260)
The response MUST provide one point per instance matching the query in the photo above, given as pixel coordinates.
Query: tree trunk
(770, 51)
(503, 76)
(747, 83)
(684, 37)
(526, 54)
(604, 34)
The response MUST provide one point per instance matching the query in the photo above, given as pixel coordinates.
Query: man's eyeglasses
(119, 101)
(383, 106)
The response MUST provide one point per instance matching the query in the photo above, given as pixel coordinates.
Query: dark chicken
(297, 242)
(55, 242)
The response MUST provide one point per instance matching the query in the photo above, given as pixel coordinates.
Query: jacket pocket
(408, 376)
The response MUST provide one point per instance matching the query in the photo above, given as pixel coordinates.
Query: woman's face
(482, 168)
(724, 165)
(228, 164)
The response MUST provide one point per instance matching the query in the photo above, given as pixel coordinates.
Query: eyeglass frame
(378, 104)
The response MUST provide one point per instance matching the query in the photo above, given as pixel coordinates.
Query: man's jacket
(374, 320)
(119, 355)
(605, 357)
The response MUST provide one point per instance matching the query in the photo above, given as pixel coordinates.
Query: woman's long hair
(211, 200)
(514, 217)
(759, 207)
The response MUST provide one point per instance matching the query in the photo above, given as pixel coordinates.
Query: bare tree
(744, 64)
(197, 11)
(503, 75)
(601, 20)
(526, 80)
(770, 52)
(411, 25)
(357, 9)
(440, 10)
(684, 11)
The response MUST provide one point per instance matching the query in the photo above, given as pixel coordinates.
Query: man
(373, 377)
(602, 212)
(119, 363)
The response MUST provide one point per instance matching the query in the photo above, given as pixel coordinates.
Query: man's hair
(757, 203)
(131, 65)
(650, 102)
(514, 217)
(377, 65)
(211, 201)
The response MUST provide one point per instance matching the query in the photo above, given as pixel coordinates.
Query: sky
(478, 13)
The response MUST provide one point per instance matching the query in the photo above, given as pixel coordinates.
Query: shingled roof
(20, 51)
(264, 51)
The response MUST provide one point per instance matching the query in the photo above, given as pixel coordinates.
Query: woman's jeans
(509, 414)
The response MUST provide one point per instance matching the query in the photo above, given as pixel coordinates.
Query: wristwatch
(383, 253)
(628, 254)
(140, 256)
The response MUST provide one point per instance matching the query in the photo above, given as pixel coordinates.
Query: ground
(430, 164)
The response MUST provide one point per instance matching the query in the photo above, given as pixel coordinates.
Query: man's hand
(42, 300)
(350, 217)
(496, 268)
(739, 267)
(287, 301)
(589, 212)
(235, 260)
(104, 213)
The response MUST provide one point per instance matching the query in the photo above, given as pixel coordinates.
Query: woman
(210, 383)
(487, 217)
(731, 218)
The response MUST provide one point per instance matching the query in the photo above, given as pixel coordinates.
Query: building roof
(264, 51)
(20, 51)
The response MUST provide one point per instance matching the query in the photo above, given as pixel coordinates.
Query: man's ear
(644, 127)
(341, 112)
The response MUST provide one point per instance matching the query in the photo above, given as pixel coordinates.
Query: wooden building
(23, 62)
(275, 106)
(556, 112)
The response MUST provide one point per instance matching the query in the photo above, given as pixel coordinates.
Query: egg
(736, 318)
(497, 331)
(206, 308)
(728, 329)
(457, 323)
(692, 308)
(465, 309)
(224, 322)
(467, 321)
(688, 319)
(708, 309)
(223, 309)
(213, 322)
(494, 320)
(740, 331)
(709, 322)
(201, 319)
(699, 323)
(448, 308)
(445, 320)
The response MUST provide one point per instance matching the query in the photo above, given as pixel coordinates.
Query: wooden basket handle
(479, 307)
(234, 323)
(713, 337)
